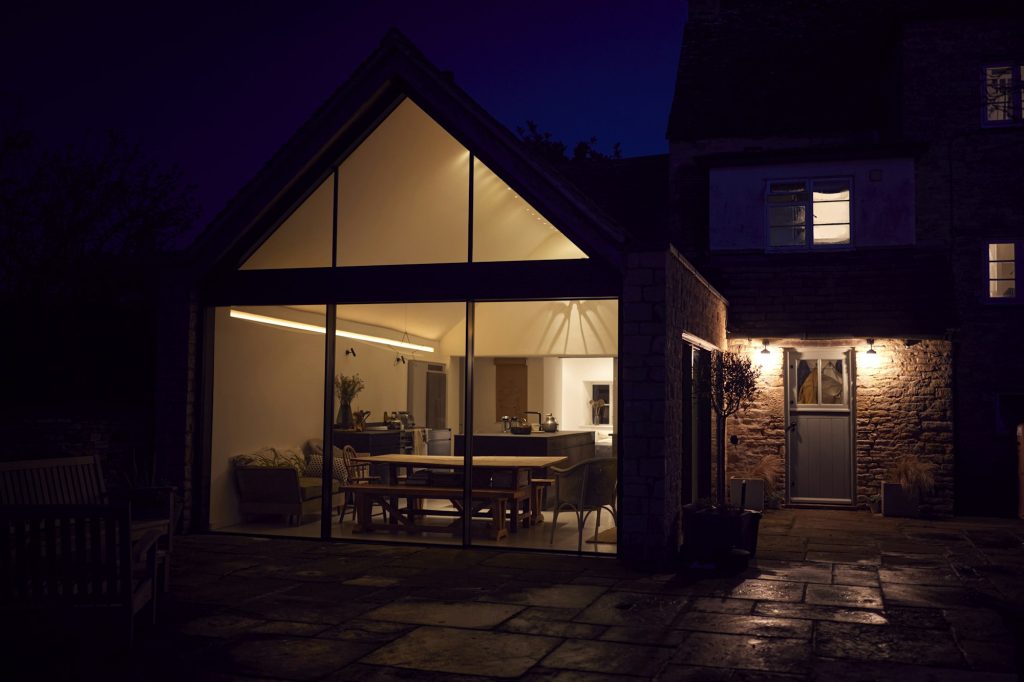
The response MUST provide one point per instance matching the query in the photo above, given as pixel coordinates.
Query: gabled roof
(756, 69)
(751, 69)
(395, 70)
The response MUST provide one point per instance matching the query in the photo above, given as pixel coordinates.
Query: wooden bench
(62, 557)
(406, 518)
(80, 481)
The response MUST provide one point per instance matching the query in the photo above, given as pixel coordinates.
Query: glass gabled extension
(456, 411)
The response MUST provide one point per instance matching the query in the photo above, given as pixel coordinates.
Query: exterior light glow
(279, 322)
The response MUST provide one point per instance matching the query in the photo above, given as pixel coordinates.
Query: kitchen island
(576, 446)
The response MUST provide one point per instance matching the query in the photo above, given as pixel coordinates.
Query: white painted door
(819, 434)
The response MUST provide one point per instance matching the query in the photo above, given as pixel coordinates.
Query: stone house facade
(894, 102)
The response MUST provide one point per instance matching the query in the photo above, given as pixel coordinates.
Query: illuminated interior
(1002, 270)
(303, 240)
(403, 194)
(506, 227)
(403, 197)
(268, 392)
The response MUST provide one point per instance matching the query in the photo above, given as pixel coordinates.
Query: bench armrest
(142, 546)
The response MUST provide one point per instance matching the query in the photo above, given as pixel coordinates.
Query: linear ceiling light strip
(279, 322)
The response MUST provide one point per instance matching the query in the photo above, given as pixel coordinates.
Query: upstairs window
(1002, 271)
(1004, 96)
(808, 213)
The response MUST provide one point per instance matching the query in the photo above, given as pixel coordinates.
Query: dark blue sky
(217, 87)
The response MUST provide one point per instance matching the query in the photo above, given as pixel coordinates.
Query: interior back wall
(268, 387)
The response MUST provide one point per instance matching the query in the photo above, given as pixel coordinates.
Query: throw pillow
(315, 466)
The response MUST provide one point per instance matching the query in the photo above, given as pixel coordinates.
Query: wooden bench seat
(82, 557)
(407, 518)
(80, 481)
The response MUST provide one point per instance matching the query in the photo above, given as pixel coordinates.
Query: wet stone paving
(832, 596)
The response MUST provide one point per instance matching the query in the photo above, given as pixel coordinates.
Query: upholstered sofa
(272, 485)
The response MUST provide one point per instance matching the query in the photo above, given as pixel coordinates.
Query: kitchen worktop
(575, 445)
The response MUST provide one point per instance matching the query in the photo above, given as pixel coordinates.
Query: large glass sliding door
(544, 377)
(267, 417)
(406, 360)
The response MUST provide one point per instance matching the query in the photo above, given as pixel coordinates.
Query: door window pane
(807, 382)
(832, 382)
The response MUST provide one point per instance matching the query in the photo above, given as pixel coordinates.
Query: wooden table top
(453, 462)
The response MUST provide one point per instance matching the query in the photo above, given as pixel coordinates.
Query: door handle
(791, 427)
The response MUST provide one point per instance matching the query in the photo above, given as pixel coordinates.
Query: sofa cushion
(310, 488)
(315, 466)
(272, 457)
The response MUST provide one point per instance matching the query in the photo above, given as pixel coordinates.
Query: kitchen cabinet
(575, 445)
(370, 442)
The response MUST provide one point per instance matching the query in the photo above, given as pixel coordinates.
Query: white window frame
(1003, 300)
(808, 205)
(1016, 95)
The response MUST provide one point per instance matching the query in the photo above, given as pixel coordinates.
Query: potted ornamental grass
(716, 534)
(908, 481)
(753, 481)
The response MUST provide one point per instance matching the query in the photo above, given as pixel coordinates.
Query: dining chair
(585, 488)
(358, 473)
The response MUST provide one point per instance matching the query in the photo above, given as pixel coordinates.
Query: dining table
(521, 467)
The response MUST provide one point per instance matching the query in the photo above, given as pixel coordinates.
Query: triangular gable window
(403, 194)
(403, 198)
(506, 227)
(303, 240)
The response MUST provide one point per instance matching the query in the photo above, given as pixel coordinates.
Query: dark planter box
(897, 502)
(715, 537)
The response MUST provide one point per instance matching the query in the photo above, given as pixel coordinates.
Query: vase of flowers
(346, 388)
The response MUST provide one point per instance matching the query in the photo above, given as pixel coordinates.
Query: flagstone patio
(833, 596)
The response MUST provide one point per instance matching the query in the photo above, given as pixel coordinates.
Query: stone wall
(968, 192)
(903, 405)
(662, 297)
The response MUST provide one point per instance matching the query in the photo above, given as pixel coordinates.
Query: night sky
(217, 87)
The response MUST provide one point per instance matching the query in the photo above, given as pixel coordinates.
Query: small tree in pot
(713, 534)
(733, 388)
